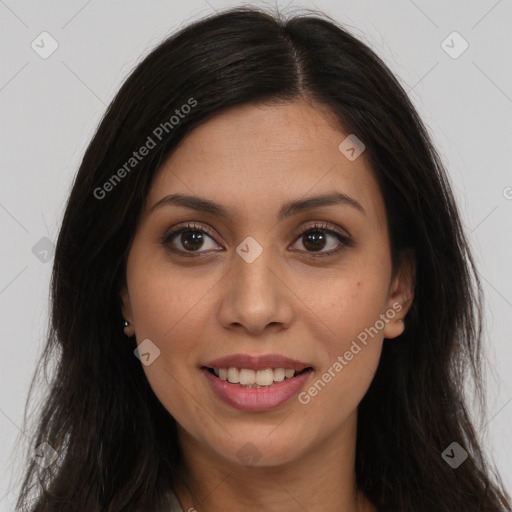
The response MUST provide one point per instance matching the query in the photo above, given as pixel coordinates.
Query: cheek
(169, 308)
(173, 323)
(168, 303)
(351, 310)
(335, 393)
(354, 349)
(351, 302)
(351, 353)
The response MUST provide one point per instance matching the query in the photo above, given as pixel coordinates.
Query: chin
(258, 448)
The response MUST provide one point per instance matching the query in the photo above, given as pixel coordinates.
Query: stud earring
(129, 330)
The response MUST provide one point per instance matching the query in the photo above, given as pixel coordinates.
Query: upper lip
(257, 362)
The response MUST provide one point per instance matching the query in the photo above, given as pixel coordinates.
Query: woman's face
(259, 289)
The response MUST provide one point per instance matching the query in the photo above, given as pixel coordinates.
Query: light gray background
(50, 108)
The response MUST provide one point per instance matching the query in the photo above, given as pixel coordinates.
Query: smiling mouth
(248, 378)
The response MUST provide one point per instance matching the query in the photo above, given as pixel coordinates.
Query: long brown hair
(118, 445)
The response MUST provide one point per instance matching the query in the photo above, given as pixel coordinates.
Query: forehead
(251, 157)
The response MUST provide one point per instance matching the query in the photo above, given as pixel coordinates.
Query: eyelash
(324, 227)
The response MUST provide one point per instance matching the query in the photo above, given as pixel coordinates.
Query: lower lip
(256, 399)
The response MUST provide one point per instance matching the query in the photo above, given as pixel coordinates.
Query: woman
(263, 211)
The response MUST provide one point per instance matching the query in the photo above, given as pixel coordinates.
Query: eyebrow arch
(287, 209)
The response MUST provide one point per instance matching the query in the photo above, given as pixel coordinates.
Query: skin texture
(252, 159)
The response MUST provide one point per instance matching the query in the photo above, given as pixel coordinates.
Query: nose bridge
(254, 271)
(254, 296)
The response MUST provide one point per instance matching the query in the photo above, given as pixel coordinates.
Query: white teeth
(252, 378)
(233, 375)
(247, 377)
(264, 377)
(279, 374)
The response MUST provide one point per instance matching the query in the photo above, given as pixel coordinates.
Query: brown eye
(317, 238)
(189, 239)
(314, 240)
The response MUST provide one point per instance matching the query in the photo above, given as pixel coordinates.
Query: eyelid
(327, 226)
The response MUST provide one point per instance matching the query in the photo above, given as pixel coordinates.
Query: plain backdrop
(51, 106)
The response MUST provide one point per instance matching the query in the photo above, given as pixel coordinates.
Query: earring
(129, 330)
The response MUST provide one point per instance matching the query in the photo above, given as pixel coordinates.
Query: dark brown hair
(118, 445)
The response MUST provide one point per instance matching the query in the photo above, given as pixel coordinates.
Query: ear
(126, 307)
(401, 293)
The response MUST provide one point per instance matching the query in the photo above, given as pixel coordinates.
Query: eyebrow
(287, 209)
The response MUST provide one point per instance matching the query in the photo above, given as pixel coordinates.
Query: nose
(256, 295)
